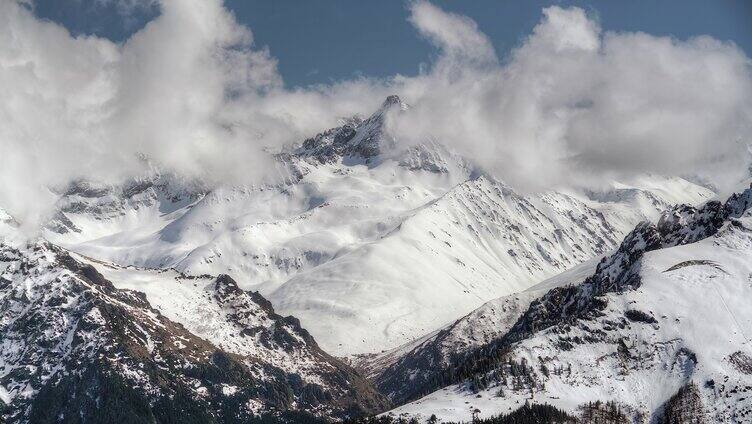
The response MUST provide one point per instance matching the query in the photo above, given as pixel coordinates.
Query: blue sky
(324, 41)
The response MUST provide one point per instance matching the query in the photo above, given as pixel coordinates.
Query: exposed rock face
(356, 138)
(75, 348)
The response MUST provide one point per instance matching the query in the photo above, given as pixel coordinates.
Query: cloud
(457, 36)
(572, 105)
(189, 90)
(177, 82)
(54, 88)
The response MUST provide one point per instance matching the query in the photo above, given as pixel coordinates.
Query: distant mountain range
(397, 275)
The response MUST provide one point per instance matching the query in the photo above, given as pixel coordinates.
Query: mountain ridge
(590, 318)
(318, 244)
(68, 329)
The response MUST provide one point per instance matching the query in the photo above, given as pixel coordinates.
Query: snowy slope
(74, 346)
(643, 327)
(353, 255)
(369, 245)
(477, 242)
(217, 311)
(403, 372)
(89, 210)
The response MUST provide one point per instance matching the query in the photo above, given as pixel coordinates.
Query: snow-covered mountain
(368, 242)
(658, 331)
(77, 348)
(151, 294)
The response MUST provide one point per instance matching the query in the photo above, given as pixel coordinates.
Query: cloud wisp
(571, 105)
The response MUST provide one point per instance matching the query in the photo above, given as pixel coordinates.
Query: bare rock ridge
(76, 348)
(356, 138)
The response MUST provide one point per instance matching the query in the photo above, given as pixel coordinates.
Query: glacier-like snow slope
(368, 246)
(687, 324)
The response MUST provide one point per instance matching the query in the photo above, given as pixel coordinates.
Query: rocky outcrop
(356, 138)
(75, 348)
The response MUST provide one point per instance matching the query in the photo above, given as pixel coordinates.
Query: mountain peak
(357, 138)
(392, 101)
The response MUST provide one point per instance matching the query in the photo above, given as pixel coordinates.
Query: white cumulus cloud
(571, 105)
